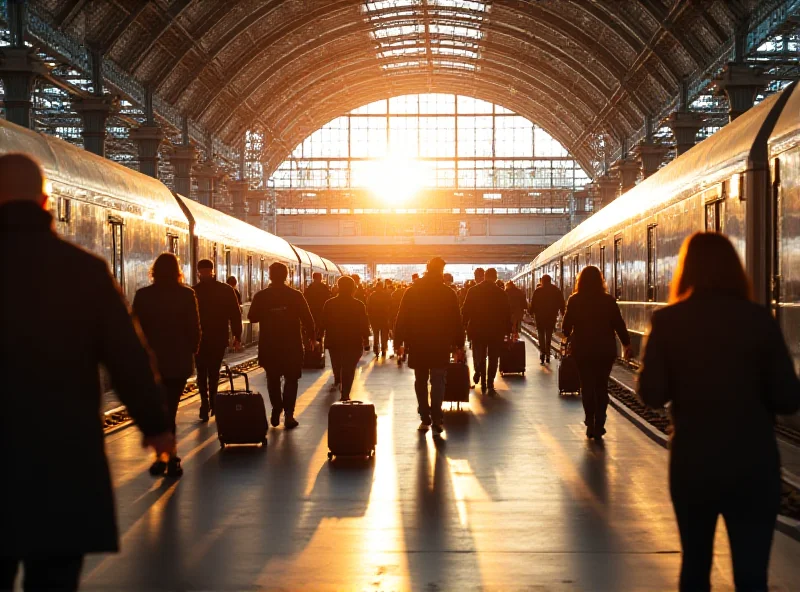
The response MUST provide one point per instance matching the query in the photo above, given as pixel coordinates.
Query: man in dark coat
(317, 294)
(232, 282)
(518, 304)
(57, 503)
(430, 325)
(487, 316)
(219, 309)
(281, 310)
(360, 293)
(345, 327)
(546, 302)
(379, 308)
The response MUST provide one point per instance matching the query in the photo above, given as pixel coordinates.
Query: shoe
(483, 387)
(174, 468)
(343, 398)
(383, 354)
(476, 378)
(158, 468)
(599, 433)
(541, 360)
(376, 353)
(203, 415)
(547, 359)
(589, 433)
(290, 423)
(423, 427)
(211, 412)
(275, 418)
(438, 427)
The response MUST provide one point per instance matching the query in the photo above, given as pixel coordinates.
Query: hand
(627, 352)
(163, 443)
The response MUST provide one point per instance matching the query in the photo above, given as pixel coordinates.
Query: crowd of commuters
(724, 391)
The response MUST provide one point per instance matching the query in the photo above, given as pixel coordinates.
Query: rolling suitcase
(569, 380)
(457, 384)
(512, 358)
(352, 429)
(314, 359)
(241, 416)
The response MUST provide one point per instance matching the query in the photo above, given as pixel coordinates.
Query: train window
(618, 268)
(249, 278)
(172, 243)
(117, 250)
(214, 255)
(263, 274)
(228, 267)
(588, 257)
(714, 216)
(651, 263)
(575, 267)
(64, 210)
(603, 261)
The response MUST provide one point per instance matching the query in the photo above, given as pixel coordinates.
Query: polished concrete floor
(512, 497)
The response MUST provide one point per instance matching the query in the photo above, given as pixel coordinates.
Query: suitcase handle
(231, 374)
(352, 402)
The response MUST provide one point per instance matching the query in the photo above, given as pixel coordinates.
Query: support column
(684, 126)
(182, 160)
(607, 188)
(206, 175)
(740, 83)
(255, 217)
(239, 191)
(650, 156)
(627, 171)
(148, 139)
(19, 69)
(94, 112)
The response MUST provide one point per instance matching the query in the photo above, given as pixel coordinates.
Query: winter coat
(517, 302)
(344, 323)
(486, 313)
(218, 308)
(317, 294)
(429, 323)
(70, 319)
(546, 303)
(590, 323)
(170, 322)
(379, 306)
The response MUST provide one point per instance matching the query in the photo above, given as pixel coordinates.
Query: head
(448, 278)
(379, 286)
(479, 274)
(436, 266)
(708, 263)
(316, 277)
(205, 269)
(414, 278)
(22, 179)
(546, 280)
(166, 269)
(590, 281)
(388, 284)
(490, 275)
(510, 285)
(356, 279)
(231, 281)
(346, 286)
(278, 273)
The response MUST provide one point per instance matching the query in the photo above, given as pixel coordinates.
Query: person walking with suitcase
(317, 294)
(591, 320)
(547, 301)
(379, 308)
(429, 323)
(345, 327)
(219, 309)
(57, 504)
(486, 315)
(518, 304)
(281, 310)
(167, 313)
(721, 361)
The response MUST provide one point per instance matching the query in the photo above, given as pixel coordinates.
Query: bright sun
(396, 179)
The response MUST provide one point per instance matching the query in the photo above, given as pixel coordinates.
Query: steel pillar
(148, 139)
(650, 156)
(740, 83)
(94, 112)
(684, 126)
(627, 171)
(19, 69)
(182, 160)
(239, 191)
(207, 174)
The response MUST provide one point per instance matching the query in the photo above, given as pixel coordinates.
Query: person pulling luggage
(317, 294)
(281, 310)
(429, 323)
(379, 309)
(547, 301)
(487, 316)
(345, 327)
(518, 304)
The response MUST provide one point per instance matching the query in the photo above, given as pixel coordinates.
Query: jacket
(723, 364)
(486, 313)
(397, 298)
(281, 310)
(590, 323)
(218, 308)
(69, 320)
(360, 294)
(317, 294)
(517, 302)
(379, 305)
(170, 322)
(546, 303)
(344, 323)
(429, 323)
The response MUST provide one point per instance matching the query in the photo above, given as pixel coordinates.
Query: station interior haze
(420, 190)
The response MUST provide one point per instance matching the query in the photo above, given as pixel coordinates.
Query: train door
(117, 249)
(575, 268)
(618, 268)
(560, 275)
(249, 296)
(652, 278)
(228, 265)
(262, 275)
(777, 232)
(215, 257)
(172, 243)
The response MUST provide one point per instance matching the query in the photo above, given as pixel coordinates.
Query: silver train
(743, 181)
(128, 219)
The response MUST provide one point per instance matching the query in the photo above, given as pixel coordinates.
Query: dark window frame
(652, 262)
(618, 265)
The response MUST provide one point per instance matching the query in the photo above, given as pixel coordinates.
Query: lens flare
(396, 179)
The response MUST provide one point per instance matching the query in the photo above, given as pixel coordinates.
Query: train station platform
(511, 497)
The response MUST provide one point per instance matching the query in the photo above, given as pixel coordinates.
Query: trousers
(438, 379)
(594, 373)
(42, 574)
(480, 350)
(173, 389)
(282, 398)
(380, 334)
(208, 362)
(749, 514)
(545, 333)
(344, 362)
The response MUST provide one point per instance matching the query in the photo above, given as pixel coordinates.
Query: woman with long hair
(590, 323)
(167, 313)
(721, 362)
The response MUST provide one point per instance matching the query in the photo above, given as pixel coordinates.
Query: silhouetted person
(547, 301)
(414, 278)
(346, 328)
(379, 308)
(486, 315)
(518, 304)
(429, 323)
(448, 281)
(219, 309)
(462, 293)
(361, 292)
(56, 502)
(167, 313)
(591, 320)
(722, 362)
(232, 282)
(317, 294)
(282, 310)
